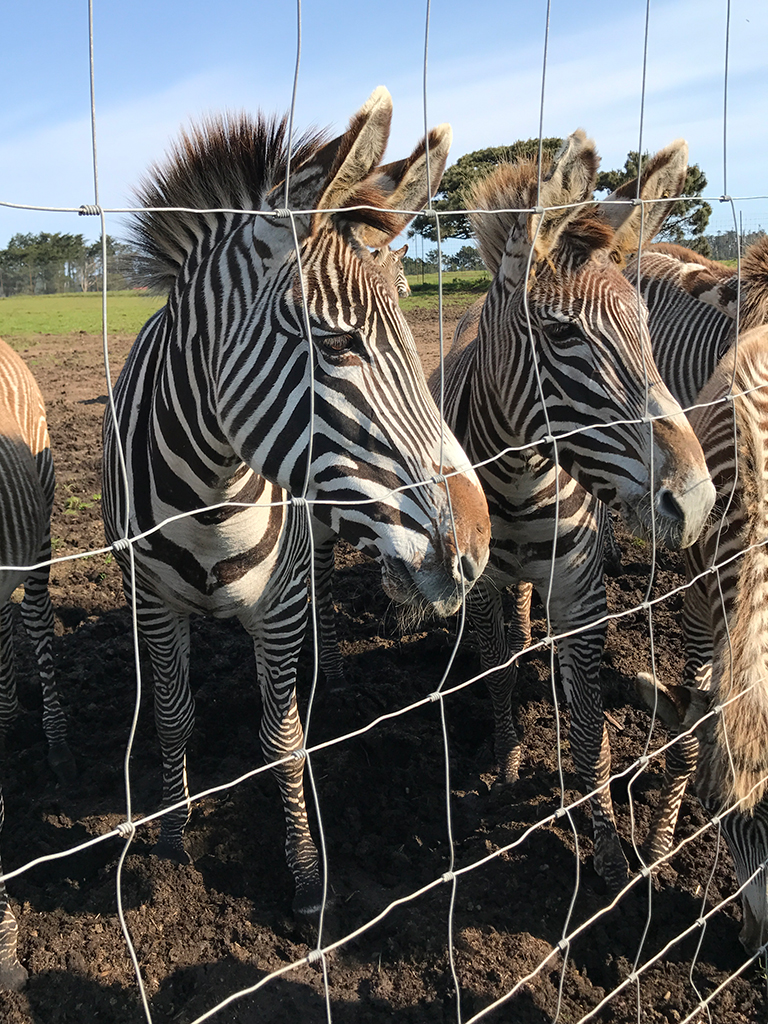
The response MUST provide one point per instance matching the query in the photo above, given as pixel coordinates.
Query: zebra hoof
(62, 763)
(13, 977)
(610, 863)
(308, 901)
(168, 849)
(509, 767)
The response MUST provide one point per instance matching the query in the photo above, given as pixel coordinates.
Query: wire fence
(519, 940)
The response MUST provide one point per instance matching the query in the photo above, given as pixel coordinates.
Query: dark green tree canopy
(459, 177)
(688, 218)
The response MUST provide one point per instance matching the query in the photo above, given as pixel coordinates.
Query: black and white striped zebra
(560, 317)
(726, 633)
(26, 496)
(280, 376)
(391, 262)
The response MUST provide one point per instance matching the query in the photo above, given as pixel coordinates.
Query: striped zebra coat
(26, 496)
(279, 376)
(726, 632)
(549, 386)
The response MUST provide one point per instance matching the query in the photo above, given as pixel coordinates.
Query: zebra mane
(514, 187)
(225, 161)
(740, 732)
(754, 275)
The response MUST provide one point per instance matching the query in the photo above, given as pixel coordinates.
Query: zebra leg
(579, 657)
(485, 612)
(37, 612)
(13, 976)
(9, 702)
(682, 756)
(277, 627)
(166, 635)
(331, 662)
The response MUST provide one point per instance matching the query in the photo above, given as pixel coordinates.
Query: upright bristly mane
(227, 161)
(754, 276)
(740, 732)
(515, 186)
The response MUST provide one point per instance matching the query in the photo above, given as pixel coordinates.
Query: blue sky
(160, 65)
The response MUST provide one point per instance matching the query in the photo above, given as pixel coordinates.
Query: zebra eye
(338, 342)
(559, 331)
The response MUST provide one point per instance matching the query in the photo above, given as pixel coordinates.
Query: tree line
(48, 263)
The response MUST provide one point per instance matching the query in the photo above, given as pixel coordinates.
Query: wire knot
(299, 754)
(725, 199)
(439, 478)
(448, 876)
(126, 829)
(121, 544)
(435, 696)
(314, 955)
(299, 502)
(282, 213)
(89, 211)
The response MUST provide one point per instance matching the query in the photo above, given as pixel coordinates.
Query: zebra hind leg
(13, 977)
(37, 612)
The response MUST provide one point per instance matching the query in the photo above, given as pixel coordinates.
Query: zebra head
(312, 370)
(572, 335)
(390, 261)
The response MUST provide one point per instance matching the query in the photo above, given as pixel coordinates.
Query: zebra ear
(404, 186)
(570, 180)
(332, 175)
(662, 177)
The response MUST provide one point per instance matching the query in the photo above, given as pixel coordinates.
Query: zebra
(560, 312)
(276, 323)
(692, 307)
(27, 484)
(724, 620)
(391, 262)
(696, 309)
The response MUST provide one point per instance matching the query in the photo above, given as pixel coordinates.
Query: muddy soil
(205, 931)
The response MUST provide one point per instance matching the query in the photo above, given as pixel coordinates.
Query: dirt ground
(205, 931)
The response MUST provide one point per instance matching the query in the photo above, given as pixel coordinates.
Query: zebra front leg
(166, 635)
(278, 632)
(485, 612)
(331, 662)
(13, 977)
(579, 657)
(681, 758)
(37, 612)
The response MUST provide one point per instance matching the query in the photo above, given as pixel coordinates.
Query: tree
(459, 177)
(467, 258)
(687, 219)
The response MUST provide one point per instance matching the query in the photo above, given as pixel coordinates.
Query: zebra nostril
(667, 505)
(469, 569)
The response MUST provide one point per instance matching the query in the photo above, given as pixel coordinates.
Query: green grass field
(22, 317)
